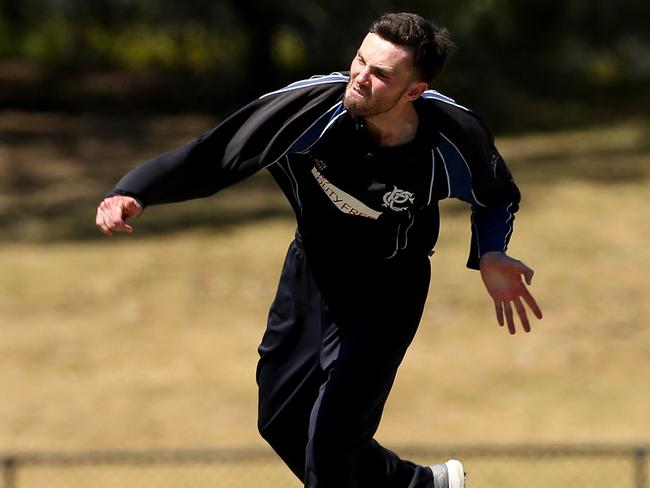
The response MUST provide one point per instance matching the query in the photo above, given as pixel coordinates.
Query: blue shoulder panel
(317, 129)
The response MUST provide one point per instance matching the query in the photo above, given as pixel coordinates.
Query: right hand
(113, 212)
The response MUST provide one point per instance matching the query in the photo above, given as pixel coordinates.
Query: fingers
(505, 315)
(99, 222)
(530, 301)
(521, 311)
(112, 214)
(528, 275)
(507, 308)
(103, 220)
(525, 294)
(131, 207)
(499, 311)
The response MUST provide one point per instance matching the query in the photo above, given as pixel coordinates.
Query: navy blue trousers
(328, 359)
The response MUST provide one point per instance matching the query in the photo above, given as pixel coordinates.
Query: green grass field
(149, 340)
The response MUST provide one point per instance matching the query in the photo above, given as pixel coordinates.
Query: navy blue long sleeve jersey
(352, 198)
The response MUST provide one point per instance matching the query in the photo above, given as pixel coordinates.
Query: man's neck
(393, 128)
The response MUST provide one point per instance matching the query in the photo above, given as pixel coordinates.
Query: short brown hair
(431, 45)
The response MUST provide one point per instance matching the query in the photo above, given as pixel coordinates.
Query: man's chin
(354, 106)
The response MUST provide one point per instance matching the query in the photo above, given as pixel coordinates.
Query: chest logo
(398, 200)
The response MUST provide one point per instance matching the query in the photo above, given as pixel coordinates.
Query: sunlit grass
(149, 340)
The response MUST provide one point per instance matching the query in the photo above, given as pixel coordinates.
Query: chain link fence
(522, 466)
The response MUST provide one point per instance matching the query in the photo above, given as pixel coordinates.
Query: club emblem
(398, 200)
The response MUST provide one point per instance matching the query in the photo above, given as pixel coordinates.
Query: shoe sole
(456, 473)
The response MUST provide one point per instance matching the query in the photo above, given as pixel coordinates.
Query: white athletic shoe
(448, 475)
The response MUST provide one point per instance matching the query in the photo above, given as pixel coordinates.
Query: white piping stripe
(444, 165)
(477, 200)
(399, 226)
(300, 136)
(406, 233)
(309, 82)
(435, 95)
(509, 223)
(433, 175)
(292, 181)
(476, 235)
(329, 124)
(506, 237)
(468, 169)
(296, 191)
(316, 77)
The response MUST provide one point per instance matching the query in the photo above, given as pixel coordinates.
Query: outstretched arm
(251, 139)
(502, 276)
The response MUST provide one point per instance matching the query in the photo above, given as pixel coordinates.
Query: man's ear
(417, 88)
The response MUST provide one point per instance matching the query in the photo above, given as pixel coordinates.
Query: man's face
(382, 76)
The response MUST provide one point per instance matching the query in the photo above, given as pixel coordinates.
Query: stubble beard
(363, 107)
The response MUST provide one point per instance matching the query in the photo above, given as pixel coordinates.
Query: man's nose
(363, 77)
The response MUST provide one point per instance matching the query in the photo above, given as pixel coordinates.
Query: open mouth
(359, 92)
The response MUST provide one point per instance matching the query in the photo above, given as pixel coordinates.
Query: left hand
(502, 277)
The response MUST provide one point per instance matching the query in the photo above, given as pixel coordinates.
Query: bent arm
(494, 199)
(478, 175)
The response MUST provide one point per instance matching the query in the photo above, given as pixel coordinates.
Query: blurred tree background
(520, 64)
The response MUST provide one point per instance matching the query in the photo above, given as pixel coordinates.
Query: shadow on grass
(76, 220)
(55, 168)
(615, 166)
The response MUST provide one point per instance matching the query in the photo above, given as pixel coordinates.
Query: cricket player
(363, 157)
